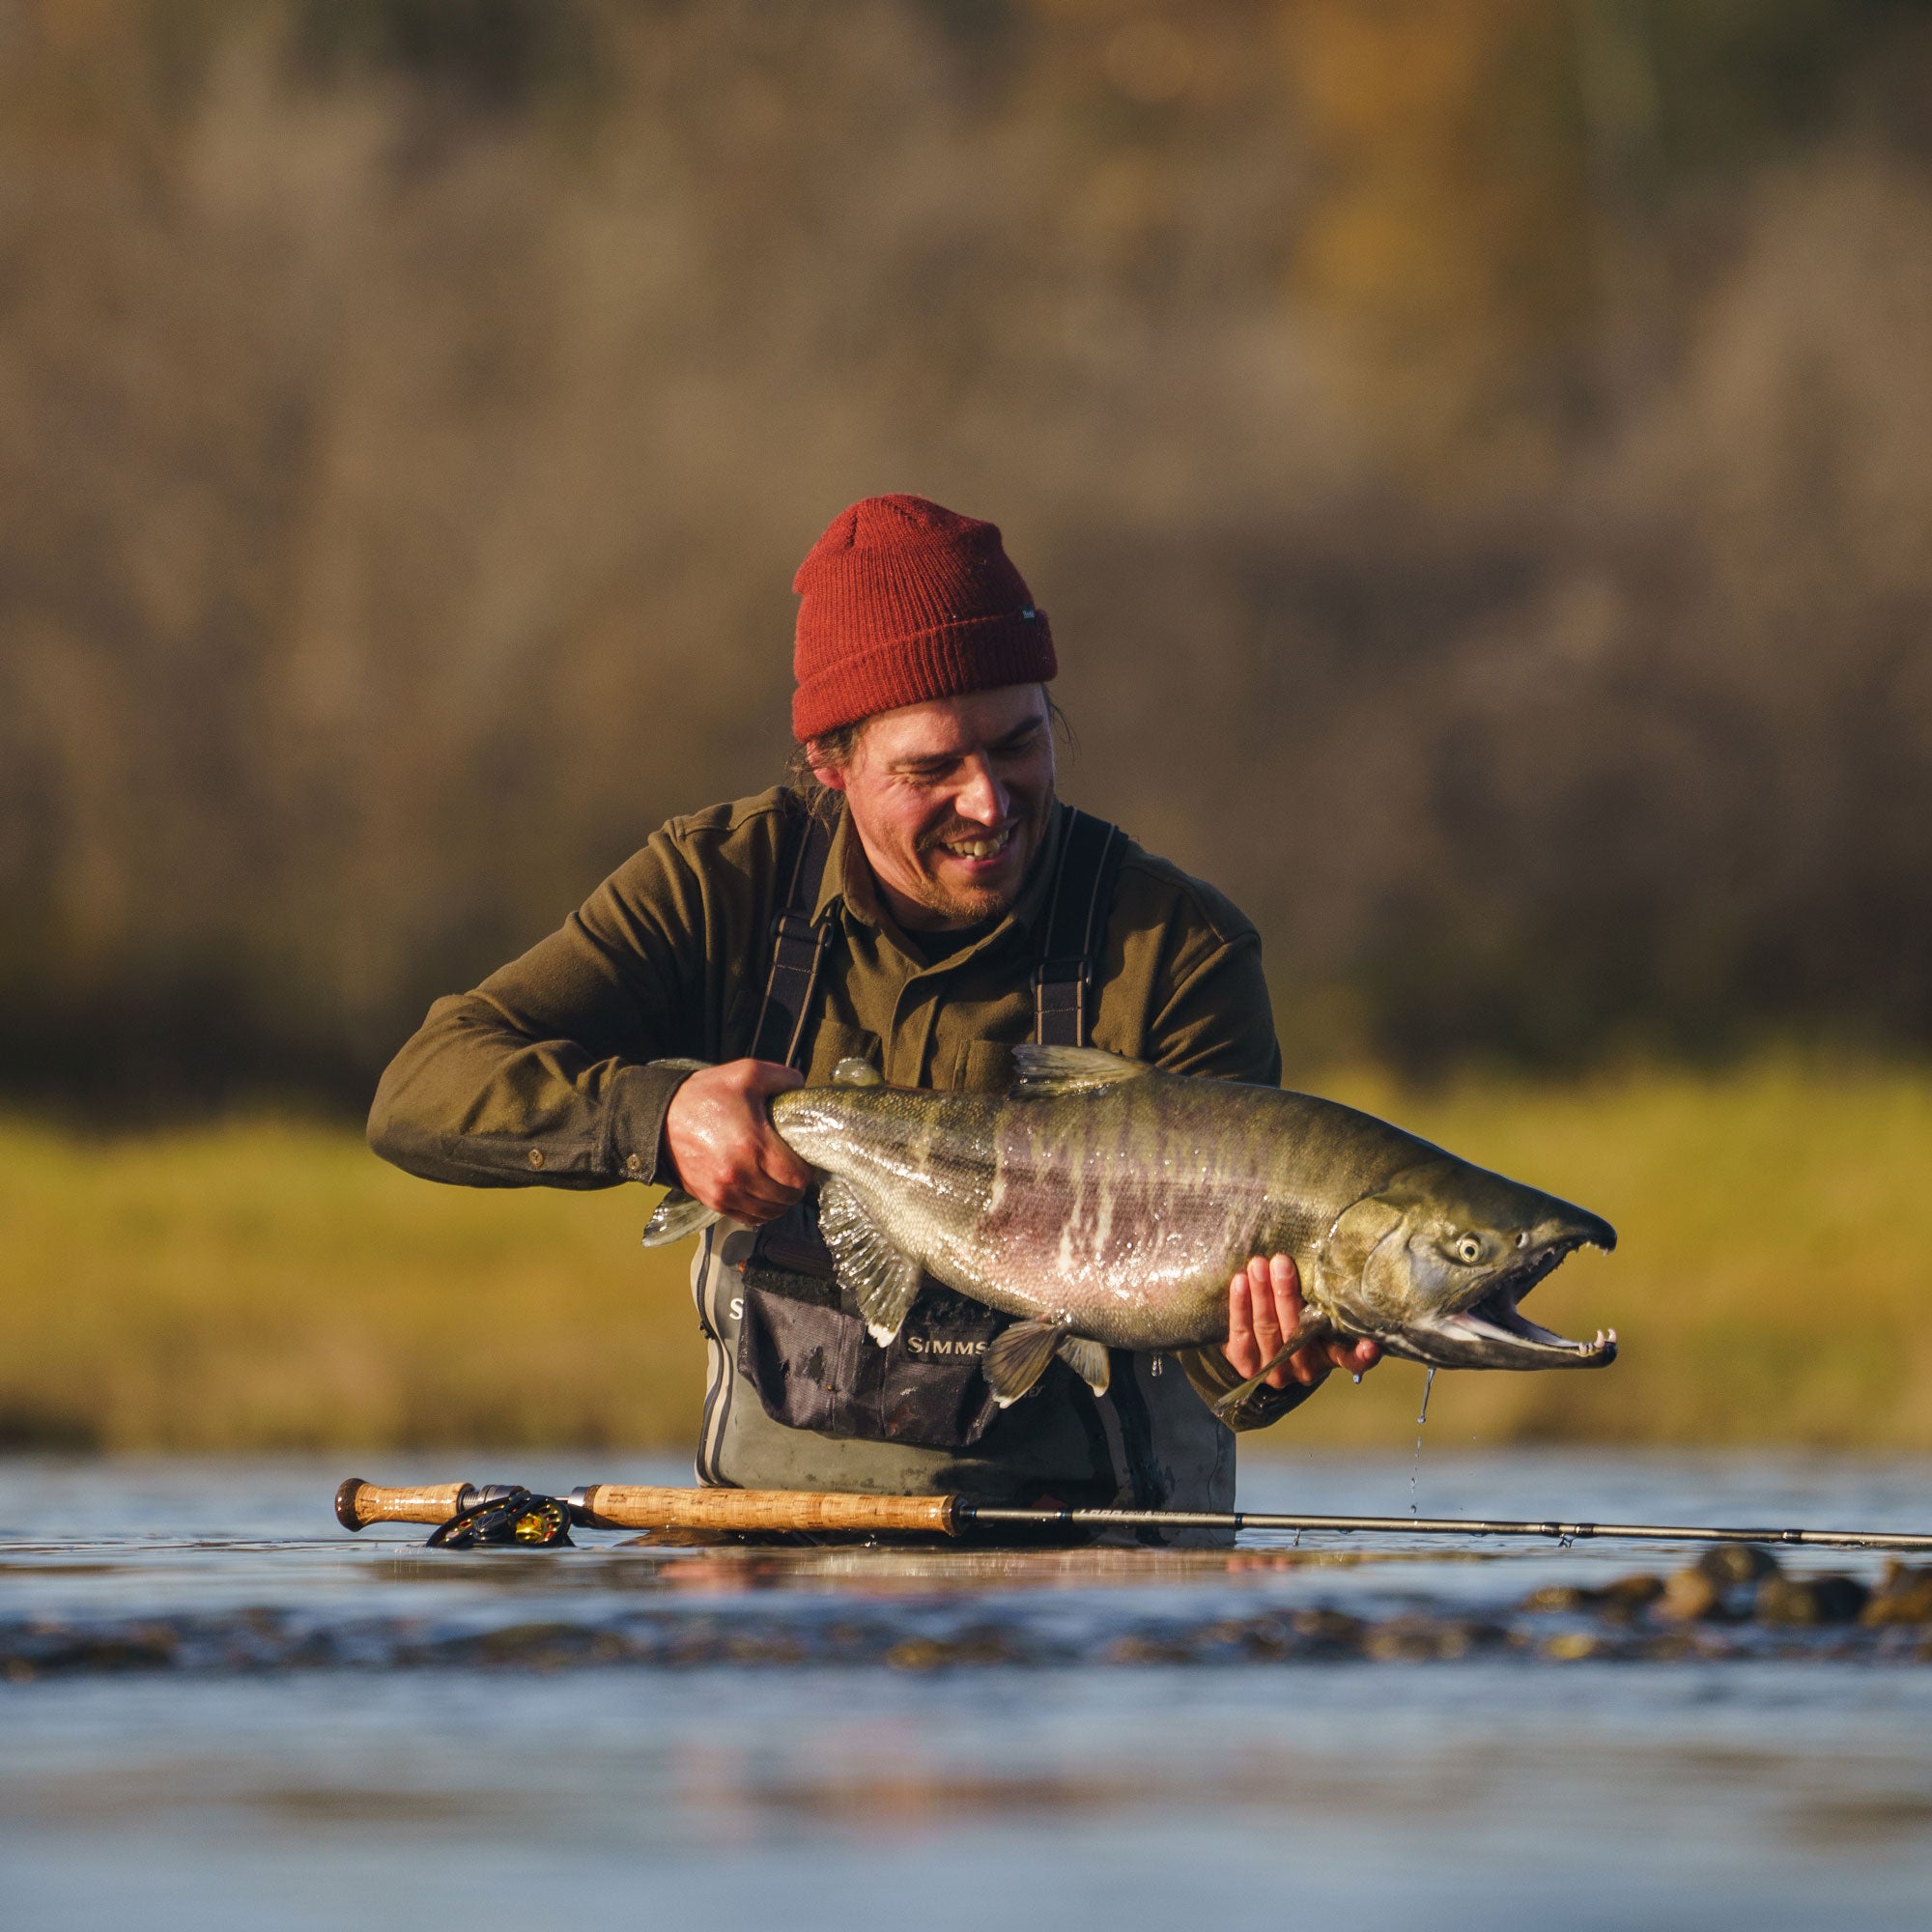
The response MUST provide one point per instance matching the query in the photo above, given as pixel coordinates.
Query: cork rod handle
(358, 1504)
(628, 1506)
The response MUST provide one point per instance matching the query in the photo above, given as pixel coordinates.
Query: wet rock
(1145, 1649)
(970, 1647)
(1810, 1600)
(1904, 1596)
(1583, 1646)
(1729, 1563)
(1619, 1601)
(32, 1650)
(1427, 1640)
(1329, 1633)
(1689, 1596)
(1693, 1644)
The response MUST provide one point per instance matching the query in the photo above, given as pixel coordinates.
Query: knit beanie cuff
(979, 654)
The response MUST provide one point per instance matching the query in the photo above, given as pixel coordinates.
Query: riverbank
(265, 1284)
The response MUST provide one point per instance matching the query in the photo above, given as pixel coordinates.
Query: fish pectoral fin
(1042, 1071)
(1087, 1359)
(884, 1279)
(675, 1216)
(1239, 1394)
(1016, 1358)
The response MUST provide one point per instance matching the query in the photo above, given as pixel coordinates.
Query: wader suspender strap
(797, 950)
(1076, 923)
(1062, 983)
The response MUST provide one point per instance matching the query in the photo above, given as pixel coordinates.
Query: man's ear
(831, 777)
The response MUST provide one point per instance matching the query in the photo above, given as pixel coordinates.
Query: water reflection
(1403, 1736)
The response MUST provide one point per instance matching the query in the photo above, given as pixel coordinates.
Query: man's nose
(981, 798)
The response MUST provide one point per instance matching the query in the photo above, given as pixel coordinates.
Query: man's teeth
(980, 848)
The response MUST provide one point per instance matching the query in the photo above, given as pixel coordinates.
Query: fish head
(1433, 1265)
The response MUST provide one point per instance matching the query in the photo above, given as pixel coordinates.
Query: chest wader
(799, 1396)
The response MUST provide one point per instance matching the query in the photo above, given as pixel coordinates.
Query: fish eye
(1469, 1248)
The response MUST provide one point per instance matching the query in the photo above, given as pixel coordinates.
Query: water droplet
(1359, 1377)
(1415, 1461)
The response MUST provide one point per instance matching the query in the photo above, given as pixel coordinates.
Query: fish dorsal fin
(883, 1281)
(1046, 1070)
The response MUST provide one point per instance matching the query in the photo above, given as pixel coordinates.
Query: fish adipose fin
(1046, 1070)
(674, 1217)
(1016, 1358)
(1088, 1360)
(883, 1281)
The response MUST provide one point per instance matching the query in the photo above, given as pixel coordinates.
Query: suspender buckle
(1063, 972)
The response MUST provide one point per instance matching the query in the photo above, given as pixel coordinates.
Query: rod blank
(1447, 1526)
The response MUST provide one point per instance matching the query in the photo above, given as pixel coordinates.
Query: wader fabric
(548, 1074)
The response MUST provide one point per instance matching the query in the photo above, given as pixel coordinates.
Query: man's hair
(834, 751)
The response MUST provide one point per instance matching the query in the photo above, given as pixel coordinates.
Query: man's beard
(975, 905)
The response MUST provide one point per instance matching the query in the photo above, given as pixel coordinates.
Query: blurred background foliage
(1477, 456)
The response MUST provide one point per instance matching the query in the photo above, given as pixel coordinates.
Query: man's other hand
(1264, 1313)
(720, 1140)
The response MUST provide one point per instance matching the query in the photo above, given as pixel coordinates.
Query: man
(929, 896)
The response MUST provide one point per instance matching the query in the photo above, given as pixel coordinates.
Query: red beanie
(902, 601)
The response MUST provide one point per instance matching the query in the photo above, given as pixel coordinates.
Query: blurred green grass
(264, 1283)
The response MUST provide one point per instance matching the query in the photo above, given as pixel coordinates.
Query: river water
(220, 1711)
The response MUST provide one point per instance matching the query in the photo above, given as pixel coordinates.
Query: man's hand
(721, 1139)
(1264, 1314)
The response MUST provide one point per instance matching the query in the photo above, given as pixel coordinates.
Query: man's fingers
(1243, 1356)
(1271, 1333)
(781, 1167)
(769, 1077)
(1306, 1365)
(1268, 1334)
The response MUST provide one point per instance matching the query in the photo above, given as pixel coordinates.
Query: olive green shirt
(550, 1071)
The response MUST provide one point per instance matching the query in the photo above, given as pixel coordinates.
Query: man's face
(949, 800)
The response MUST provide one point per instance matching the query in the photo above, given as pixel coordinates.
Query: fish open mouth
(1494, 1333)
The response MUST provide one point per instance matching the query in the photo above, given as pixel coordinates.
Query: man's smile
(980, 847)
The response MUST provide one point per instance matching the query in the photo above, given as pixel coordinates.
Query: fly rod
(767, 1512)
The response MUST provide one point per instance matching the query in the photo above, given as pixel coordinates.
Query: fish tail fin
(1016, 1358)
(675, 1216)
(1088, 1360)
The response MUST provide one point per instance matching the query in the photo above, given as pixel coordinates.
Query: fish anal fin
(1016, 1358)
(884, 1279)
(1042, 1071)
(1087, 1359)
(675, 1216)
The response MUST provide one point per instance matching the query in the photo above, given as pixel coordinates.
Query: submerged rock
(1904, 1596)
(1810, 1600)
(1620, 1600)
(1728, 1563)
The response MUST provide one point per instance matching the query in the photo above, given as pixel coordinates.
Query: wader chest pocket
(805, 1351)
